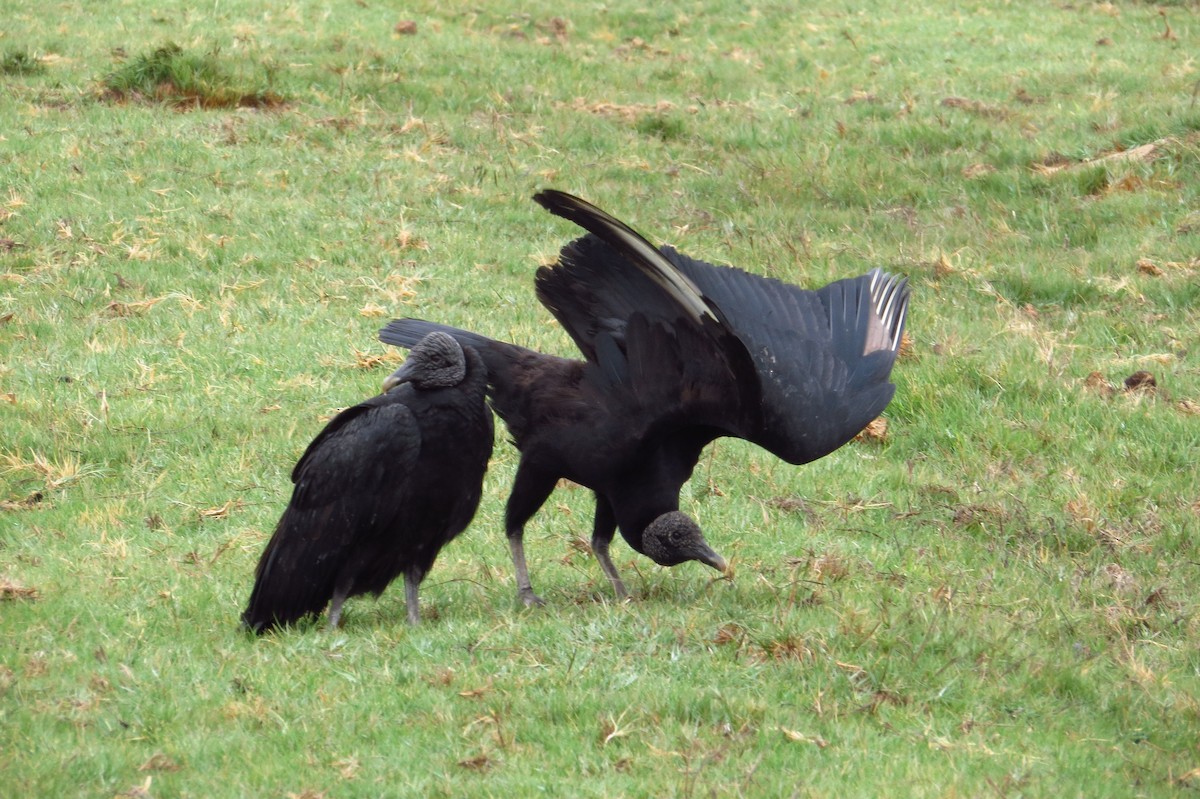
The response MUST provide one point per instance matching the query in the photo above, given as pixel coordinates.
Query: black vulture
(380, 490)
(677, 353)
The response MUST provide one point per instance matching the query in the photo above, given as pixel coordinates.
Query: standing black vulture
(380, 490)
(678, 352)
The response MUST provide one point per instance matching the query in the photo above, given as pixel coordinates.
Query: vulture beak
(401, 375)
(709, 557)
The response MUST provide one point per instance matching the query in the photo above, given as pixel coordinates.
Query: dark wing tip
(589, 217)
(559, 203)
(253, 627)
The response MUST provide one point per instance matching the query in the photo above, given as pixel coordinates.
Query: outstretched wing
(605, 290)
(824, 357)
(643, 324)
(819, 360)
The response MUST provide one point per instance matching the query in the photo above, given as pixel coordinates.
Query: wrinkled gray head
(674, 538)
(437, 361)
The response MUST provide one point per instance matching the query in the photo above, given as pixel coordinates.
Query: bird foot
(530, 599)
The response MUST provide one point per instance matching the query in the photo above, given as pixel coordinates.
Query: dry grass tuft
(628, 112)
(875, 431)
(1143, 153)
(729, 633)
(1097, 383)
(373, 360)
(160, 762)
(55, 472)
(1142, 381)
(127, 309)
(12, 590)
(799, 737)
(1188, 406)
(480, 762)
(975, 107)
(977, 170)
(223, 511)
(829, 568)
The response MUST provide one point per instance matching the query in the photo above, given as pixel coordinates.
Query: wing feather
(797, 371)
(347, 477)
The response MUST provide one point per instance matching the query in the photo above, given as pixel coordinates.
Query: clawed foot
(530, 599)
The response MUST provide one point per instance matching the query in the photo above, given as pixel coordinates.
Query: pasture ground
(207, 210)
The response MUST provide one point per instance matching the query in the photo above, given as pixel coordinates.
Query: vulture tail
(866, 324)
(407, 332)
(498, 356)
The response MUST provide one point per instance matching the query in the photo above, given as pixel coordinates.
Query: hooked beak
(709, 557)
(401, 375)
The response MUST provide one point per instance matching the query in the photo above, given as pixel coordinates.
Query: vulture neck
(650, 487)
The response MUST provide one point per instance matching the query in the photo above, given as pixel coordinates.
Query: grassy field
(208, 210)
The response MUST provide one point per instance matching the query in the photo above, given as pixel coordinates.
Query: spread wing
(795, 371)
(654, 341)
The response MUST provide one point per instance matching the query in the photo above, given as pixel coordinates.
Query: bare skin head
(437, 361)
(674, 538)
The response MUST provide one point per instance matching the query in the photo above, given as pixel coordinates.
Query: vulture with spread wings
(677, 353)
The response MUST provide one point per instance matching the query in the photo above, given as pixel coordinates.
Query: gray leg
(524, 589)
(603, 528)
(412, 581)
(335, 609)
(530, 490)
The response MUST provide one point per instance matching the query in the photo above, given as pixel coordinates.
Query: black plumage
(677, 353)
(380, 490)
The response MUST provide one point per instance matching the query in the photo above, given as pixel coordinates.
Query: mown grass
(168, 74)
(19, 62)
(995, 599)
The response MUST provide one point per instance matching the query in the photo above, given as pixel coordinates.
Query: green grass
(185, 79)
(998, 599)
(19, 62)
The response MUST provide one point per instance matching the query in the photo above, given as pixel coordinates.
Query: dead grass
(12, 590)
(54, 472)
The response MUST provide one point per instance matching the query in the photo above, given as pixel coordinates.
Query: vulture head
(437, 361)
(673, 538)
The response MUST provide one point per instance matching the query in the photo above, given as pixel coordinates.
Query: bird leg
(530, 491)
(335, 608)
(524, 588)
(412, 581)
(603, 528)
